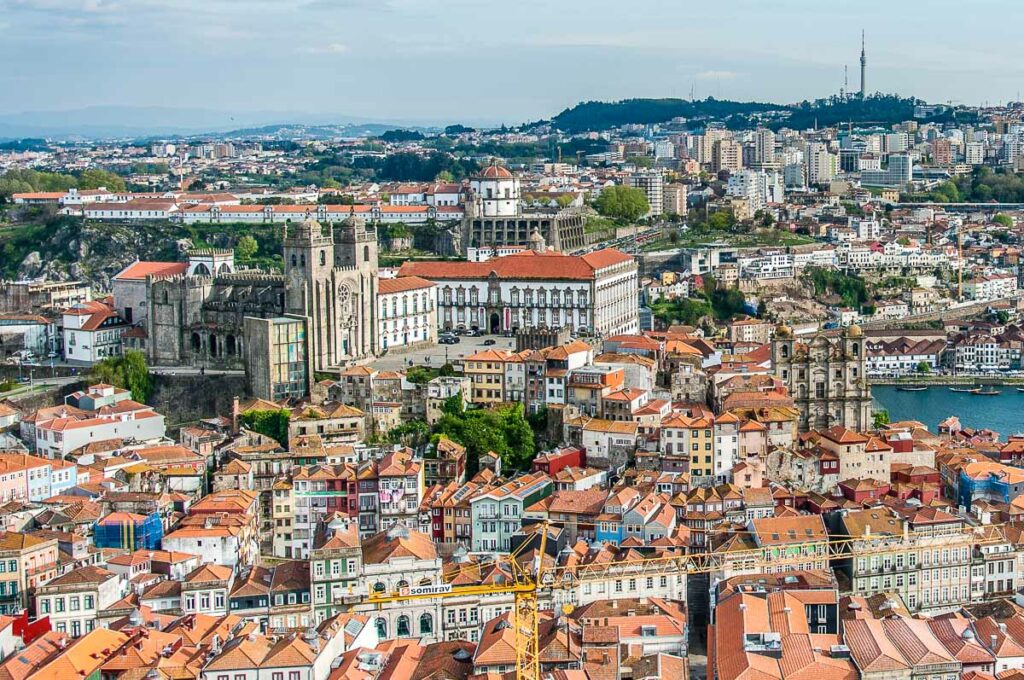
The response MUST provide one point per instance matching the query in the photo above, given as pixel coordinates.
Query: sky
(442, 61)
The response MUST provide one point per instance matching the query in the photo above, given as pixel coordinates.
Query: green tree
(850, 289)
(445, 176)
(413, 433)
(709, 285)
(1003, 220)
(128, 372)
(246, 247)
(564, 200)
(271, 422)
(503, 430)
(627, 204)
(727, 302)
(879, 418)
(924, 367)
(421, 374)
(721, 220)
(686, 311)
(95, 178)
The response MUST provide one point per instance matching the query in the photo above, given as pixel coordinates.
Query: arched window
(366, 253)
(295, 260)
(201, 270)
(785, 351)
(196, 342)
(426, 624)
(229, 345)
(403, 584)
(382, 628)
(378, 587)
(302, 260)
(165, 297)
(402, 628)
(323, 257)
(213, 345)
(856, 349)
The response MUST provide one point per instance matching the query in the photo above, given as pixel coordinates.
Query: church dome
(855, 331)
(783, 331)
(495, 172)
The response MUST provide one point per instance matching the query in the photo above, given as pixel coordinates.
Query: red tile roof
(402, 284)
(525, 265)
(140, 270)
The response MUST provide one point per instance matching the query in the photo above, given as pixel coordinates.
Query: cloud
(716, 75)
(88, 6)
(329, 48)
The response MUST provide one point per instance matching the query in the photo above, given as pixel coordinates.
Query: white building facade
(406, 312)
(594, 293)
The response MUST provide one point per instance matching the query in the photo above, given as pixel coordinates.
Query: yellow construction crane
(527, 581)
(524, 617)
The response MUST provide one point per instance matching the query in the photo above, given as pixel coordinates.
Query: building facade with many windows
(594, 293)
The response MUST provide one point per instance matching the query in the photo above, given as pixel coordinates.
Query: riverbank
(948, 380)
(1003, 412)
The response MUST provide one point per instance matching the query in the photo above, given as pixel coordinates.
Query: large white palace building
(595, 293)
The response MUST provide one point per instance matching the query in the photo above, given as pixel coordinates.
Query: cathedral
(330, 277)
(825, 377)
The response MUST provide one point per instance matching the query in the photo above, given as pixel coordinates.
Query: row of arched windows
(403, 626)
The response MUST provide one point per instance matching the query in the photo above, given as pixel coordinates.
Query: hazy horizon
(455, 61)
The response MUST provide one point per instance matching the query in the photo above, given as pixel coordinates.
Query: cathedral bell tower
(356, 261)
(308, 259)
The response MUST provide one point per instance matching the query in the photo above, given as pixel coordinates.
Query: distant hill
(594, 115)
(24, 145)
(880, 109)
(299, 131)
(133, 122)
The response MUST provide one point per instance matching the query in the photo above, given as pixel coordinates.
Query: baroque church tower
(826, 376)
(331, 278)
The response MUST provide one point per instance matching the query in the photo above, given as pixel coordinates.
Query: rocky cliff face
(73, 249)
(70, 248)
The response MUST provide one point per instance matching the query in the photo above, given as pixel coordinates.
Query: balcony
(41, 569)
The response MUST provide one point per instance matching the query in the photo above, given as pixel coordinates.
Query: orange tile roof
(525, 265)
(402, 284)
(84, 657)
(138, 271)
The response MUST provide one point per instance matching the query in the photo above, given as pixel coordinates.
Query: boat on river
(911, 388)
(990, 392)
(965, 390)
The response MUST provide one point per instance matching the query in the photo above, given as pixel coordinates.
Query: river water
(1003, 413)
